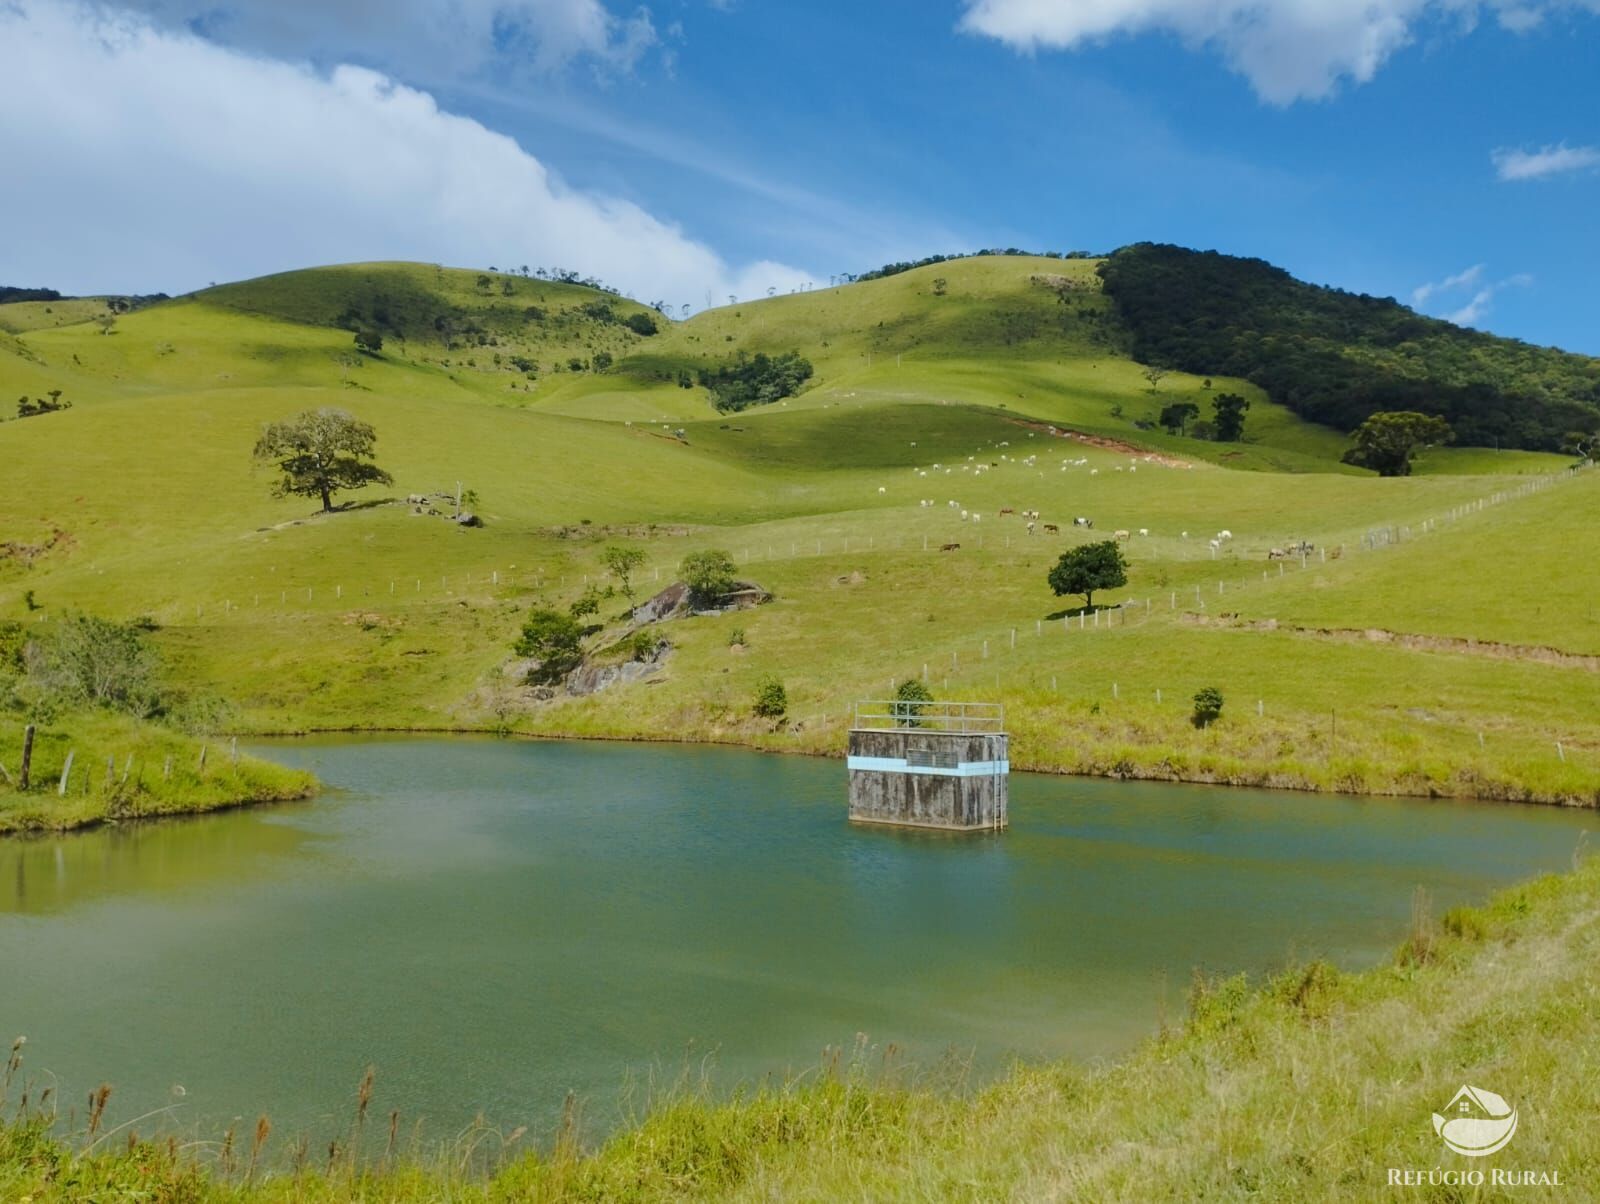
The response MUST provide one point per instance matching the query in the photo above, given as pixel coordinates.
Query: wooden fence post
(66, 773)
(27, 756)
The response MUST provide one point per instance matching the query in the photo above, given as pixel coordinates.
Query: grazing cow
(1094, 472)
(1086, 523)
(950, 547)
(1005, 510)
(1336, 553)
(1122, 536)
(1183, 535)
(963, 516)
(1276, 554)
(1051, 529)
(1215, 544)
(1224, 534)
(1144, 530)
(882, 489)
(1030, 527)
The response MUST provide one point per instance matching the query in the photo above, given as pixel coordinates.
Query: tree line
(1338, 358)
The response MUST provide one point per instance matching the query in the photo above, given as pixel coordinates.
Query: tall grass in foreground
(1309, 1086)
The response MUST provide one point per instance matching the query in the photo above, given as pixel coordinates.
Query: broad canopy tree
(320, 453)
(1387, 441)
(1089, 567)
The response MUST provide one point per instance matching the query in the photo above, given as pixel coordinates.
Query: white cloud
(1513, 164)
(419, 39)
(163, 161)
(1477, 306)
(1289, 50)
(1462, 279)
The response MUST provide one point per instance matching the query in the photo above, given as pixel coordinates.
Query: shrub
(94, 661)
(1207, 707)
(555, 640)
(708, 574)
(736, 637)
(772, 700)
(911, 696)
(642, 645)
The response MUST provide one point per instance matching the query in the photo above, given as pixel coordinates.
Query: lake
(495, 923)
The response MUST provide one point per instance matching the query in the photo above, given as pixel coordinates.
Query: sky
(1442, 152)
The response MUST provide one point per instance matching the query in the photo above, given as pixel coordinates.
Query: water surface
(495, 923)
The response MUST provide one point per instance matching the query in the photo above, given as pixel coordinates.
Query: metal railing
(900, 714)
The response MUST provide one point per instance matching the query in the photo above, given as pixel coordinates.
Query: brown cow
(1051, 529)
(950, 547)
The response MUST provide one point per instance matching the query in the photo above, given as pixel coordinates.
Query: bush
(736, 638)
(640, 323)
(94, 661)
(911, 696)
(772, 700)
(1207, 707)
(642, 645)
(555, 640)
(708, 574)
(755, 380)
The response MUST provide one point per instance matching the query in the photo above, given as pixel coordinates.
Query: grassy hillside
(998, 382)
(1336, 357)
(1317, 1085)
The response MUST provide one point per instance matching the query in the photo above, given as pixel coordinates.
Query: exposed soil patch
(1492, 649)
(14, 551)
(1103, 443)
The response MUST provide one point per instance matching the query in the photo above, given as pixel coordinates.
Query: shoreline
(1264, 778)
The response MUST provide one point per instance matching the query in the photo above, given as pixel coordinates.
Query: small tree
(553, 639)
(1207, 707)
(1229, 410)
(320, 453)
(709, 575)
(1089, 567)
(910, 699)
(1388, 440)
(1178, 415)
(369, 341)
(622, 563)
(1154, 375)
(771, 700)
(940, 286)
(588, 603)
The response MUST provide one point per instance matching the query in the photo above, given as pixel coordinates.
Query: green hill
(1336, 357)
(997, 382)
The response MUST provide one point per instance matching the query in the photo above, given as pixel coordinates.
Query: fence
(899, 714)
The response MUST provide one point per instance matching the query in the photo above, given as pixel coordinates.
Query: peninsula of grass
(124, 770)
(1313, 1085)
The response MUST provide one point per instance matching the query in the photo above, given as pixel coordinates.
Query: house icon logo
(1476, 1122)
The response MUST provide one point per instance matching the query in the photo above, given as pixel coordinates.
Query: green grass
(123, 770)
(1310, 1086)
(142, 500)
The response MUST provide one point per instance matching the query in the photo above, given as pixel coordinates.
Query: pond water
(493, 924)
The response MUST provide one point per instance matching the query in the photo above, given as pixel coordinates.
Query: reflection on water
(493, 923)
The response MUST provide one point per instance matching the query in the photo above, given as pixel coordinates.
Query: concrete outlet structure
(929, 765)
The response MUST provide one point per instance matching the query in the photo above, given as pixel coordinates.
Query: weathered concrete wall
(929, 779)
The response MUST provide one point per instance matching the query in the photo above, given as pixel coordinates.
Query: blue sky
(1441, 151)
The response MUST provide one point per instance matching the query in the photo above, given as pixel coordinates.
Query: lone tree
(369, 341)
(1388, 440)
(708, 574)
(321, 452)
(1089, 567)
(622, 563)
(1229, 409)
(553, 639)
(1154, 374)
(1178, 415)
(910, 698)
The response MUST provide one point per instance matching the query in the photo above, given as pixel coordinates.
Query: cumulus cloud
(1289, 50)
(420, 39)
(1476, 307)
(163, 161)
(1513, 164)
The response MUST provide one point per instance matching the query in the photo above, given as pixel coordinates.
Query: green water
(495, 923)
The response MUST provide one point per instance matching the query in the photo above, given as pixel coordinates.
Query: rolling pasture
(991, 390)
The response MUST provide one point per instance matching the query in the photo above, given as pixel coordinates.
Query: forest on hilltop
(1336, 357)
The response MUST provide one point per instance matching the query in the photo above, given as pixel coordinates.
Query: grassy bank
(122, 769)
(1310, 1086)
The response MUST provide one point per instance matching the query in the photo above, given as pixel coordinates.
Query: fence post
(66, 773)
(27, 756)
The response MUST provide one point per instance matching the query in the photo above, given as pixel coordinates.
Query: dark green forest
(1337, 358)
(755, 380)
